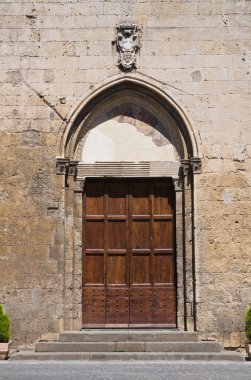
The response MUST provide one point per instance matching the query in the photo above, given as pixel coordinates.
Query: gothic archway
(130, 126)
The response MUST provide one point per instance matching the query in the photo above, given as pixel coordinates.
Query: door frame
(73, 252)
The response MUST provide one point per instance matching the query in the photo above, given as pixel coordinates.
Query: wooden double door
(128, 253)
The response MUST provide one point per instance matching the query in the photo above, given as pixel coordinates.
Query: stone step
(128, 335)
(128, 347)
(110, 356)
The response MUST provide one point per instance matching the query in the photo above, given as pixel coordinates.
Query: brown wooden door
(128, 253)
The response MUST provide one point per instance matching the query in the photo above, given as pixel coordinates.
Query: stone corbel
(65, 166)
(62, 165)
(193, 164)
(73, 168)
(196, 165)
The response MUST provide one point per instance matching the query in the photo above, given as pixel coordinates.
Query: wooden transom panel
(128, 253)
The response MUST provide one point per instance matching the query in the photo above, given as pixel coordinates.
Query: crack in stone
(44, 100)
(165, 83)
(15, 77)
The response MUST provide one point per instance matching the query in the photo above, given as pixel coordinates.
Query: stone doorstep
(125, 345)
(126, 356)
(165, 356)
(124, 336)
(128, 347)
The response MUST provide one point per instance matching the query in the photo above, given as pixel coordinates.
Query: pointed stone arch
(151, 104)
(135, 89)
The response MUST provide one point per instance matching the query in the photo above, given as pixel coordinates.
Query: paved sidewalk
(73, 370)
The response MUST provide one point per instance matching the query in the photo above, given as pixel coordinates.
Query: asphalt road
(73, 370)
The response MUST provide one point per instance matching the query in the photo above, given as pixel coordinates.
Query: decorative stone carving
(185, 164)
(61, 165)
(66, 167)
(196, 165)
(193, 164)
(127, 43)
(178, 184)
(73, 166)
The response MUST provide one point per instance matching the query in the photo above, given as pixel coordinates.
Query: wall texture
(52, 54)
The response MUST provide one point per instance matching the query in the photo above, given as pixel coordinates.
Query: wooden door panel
(163, 269)
(117, 306)
(162, 229)
(164, 306)
(117, 311)
(94, 306)
(94, 200)
(116, 199)
(162, 200)
(94, 234)
(140, 311)
(94, 270)
(139, 200)
(128, 259)
(141, 269)
(141, 306)
(116, 271)
(140, 234)
(116, 234)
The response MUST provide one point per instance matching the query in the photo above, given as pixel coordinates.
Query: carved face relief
(127, 45)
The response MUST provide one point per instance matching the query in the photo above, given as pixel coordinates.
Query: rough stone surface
(54, 53)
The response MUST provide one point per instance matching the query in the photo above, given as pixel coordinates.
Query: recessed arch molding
(129, 96)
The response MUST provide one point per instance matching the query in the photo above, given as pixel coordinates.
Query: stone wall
(55, 52)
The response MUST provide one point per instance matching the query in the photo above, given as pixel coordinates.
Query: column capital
(185, 165)
(193, 164)
(65, 166)
(196, 165)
